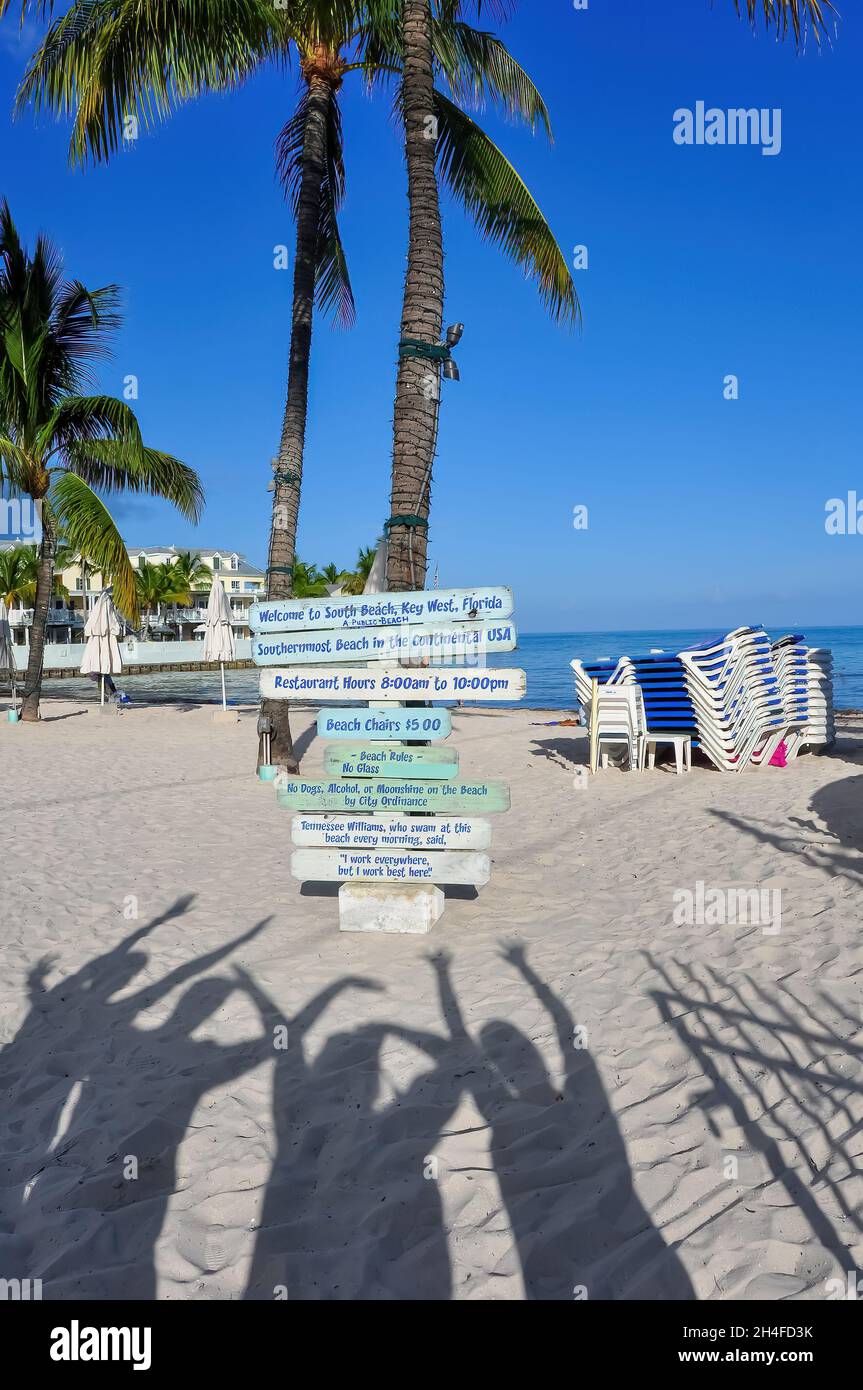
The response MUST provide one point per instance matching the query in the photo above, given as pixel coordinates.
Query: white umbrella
(102, 652)
(377, 580)
(218, 633)
(7, 647)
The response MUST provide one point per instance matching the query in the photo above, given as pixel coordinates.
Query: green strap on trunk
(413, 523)
(431, 352)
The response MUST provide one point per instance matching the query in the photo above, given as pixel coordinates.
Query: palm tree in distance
(60, 447)
(155, 585)
(356, 582)
(191, 576)
(309, 582)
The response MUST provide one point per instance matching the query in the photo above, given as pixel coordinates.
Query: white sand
(147, 1041)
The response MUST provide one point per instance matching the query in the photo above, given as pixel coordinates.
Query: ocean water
(544, 656)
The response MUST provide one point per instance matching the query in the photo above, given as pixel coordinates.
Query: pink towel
(779, 758)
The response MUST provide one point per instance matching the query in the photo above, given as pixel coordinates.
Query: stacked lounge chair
(738, 695)
(821, 728)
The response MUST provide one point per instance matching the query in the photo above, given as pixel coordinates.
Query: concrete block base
(386, 907)
(226, 716)
(106, 709)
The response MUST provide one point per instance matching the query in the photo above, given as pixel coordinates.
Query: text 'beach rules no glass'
(388, 819)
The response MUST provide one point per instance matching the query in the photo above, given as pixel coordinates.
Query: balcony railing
(199, 615)
(57, 617)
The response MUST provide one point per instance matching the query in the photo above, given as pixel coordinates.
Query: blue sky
(704, 261)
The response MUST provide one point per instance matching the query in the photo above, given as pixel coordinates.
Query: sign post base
(385, 908)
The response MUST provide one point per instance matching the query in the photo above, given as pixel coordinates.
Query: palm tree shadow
(93, 1109)
(566, 752)
(752, 1046)
(839, 805)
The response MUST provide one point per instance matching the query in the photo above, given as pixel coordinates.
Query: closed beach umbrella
(377, 580)
(102, 651)
(7, 648)
(218, 632)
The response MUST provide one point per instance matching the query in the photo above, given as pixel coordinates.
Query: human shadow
(349, 1211)
(789, 1082)
(93, 1108)
(560, 1160)
(836, 849)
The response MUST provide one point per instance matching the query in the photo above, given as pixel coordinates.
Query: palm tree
(356, 582)
(61, 447)
(309, 582)
(191, 575)
(19, 566)
(108, 60)
(491, 190)
(155, 585)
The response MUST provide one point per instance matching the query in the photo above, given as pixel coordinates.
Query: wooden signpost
(376, 683)
(391, 832)
(430, 725)
(391, 866)
(390, 760)
(448, 642)
(379, 794)
(405, 822)
(380, 610)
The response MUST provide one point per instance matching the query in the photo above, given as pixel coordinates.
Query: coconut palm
(19, 567)
(355, 583)
(491, 190)
(59, 446)
(155, 585)
(111, 61)
(309, 582)
(191, 576)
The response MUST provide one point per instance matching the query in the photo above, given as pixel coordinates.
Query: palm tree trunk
(286, 497)
(416, 407)
(44, 589)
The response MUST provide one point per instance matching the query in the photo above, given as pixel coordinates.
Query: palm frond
(501, 205)
(789, 16)
(479, 68)
(333, 290)
(15, 464)
(78, 419)
(114, 465)
(83, 318)
(107, 61)
(90, 529)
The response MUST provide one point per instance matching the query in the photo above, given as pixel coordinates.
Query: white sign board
(391, 832)
(446, 643)
(380, 610)
(390, 866)
(428, 725)
(370, 683)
